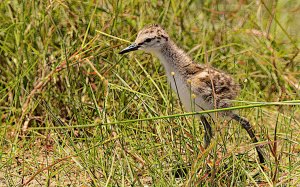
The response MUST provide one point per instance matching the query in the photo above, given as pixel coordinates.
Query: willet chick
(198, 87)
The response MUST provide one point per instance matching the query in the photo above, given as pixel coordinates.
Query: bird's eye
(148, 40)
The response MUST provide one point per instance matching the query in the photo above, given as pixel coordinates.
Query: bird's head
(150, 39)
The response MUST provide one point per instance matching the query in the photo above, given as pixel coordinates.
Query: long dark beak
(132, 47)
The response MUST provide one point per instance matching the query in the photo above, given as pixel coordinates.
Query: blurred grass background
(64, 87)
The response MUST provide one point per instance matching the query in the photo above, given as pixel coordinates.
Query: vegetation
(75, 112)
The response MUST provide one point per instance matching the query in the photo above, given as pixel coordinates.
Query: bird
(198, 86)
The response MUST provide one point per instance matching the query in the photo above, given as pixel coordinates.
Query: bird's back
(212, 85)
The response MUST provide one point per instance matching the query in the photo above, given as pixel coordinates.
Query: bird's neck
(173, 58)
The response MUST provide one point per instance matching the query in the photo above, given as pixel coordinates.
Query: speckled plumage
(198, 86)
(210, 86)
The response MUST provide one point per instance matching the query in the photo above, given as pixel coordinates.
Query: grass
(74, 112)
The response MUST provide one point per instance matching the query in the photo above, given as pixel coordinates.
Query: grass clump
(69, 102)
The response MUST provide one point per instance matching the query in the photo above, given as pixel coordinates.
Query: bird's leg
(208, 134)
(247, 126)
(208, 131)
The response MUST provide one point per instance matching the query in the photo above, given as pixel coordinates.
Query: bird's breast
(182, 88)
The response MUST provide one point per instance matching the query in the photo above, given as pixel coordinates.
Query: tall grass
(74, 112)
